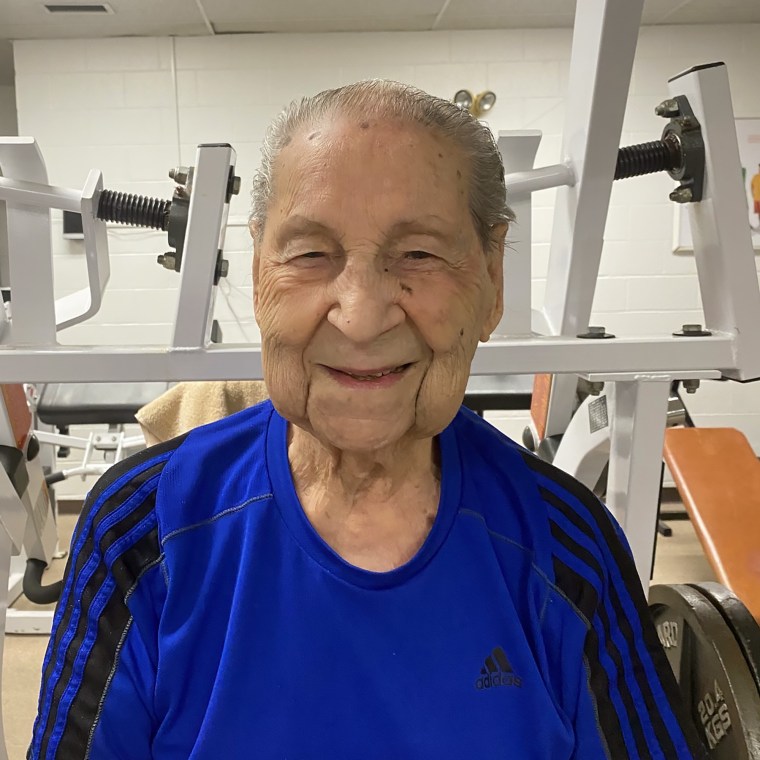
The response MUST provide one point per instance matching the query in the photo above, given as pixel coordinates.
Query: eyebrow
(419, 227)
(298, 226)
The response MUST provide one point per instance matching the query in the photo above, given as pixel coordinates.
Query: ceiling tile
(656, 10)
(27, 19)
(716, 12)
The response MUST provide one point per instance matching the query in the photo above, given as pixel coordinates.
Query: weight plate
(713, 676)
(740, 621)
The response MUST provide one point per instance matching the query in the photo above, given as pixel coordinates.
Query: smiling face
(371, 286)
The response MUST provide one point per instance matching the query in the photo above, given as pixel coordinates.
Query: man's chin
(361, 436)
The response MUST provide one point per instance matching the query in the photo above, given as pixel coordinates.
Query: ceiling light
(88, 8)
(477, 105)
(484, 101)
(463, 99)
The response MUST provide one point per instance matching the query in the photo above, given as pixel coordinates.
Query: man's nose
(366, 301)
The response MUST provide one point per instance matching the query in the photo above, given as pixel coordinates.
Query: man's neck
(375, 509)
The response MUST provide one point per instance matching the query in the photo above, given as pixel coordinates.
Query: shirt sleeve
(613, 679)
(629, 703)
(99, 670)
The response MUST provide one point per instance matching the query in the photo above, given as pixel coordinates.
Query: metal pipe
(524, 183)
(19, 191)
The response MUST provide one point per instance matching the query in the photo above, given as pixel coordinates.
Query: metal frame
(601, 63)
(731, 302)
(206, 225)
(23, 186)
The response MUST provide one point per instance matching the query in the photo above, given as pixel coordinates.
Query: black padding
(95, 403)
(14, 464)
(33, 588)
(487, 392)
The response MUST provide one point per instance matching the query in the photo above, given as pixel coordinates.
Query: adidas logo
(497, 672)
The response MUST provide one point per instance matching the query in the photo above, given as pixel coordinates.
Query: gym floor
(679, 559)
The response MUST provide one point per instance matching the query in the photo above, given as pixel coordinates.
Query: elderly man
(358, 569)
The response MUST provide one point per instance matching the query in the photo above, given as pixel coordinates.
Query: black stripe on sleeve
(76, 564)
(571, 583)
(586, 602)
(112, 624)
(125, 570)
(632, 586)
(77, 561)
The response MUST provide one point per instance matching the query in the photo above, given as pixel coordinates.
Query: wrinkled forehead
(354, 170)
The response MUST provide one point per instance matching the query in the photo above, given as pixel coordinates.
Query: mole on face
(461, 333)
(440, 155)
(364, 125)
(459, 174)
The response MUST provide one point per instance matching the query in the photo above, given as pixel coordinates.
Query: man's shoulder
(191, 478)
(530, 500)
(587, 552)
(216, 467)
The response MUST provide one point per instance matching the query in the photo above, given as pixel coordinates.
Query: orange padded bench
(718, 477)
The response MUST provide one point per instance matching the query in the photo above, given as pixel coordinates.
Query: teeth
(376, 375)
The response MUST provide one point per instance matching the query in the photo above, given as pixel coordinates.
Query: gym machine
(621, 419)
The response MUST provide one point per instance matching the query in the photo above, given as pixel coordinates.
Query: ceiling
(28, 19)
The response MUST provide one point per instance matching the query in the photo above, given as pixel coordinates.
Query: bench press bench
(60, 405)
(718, 478)
(64, 404)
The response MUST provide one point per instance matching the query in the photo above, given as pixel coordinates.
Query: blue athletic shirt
(202, 616)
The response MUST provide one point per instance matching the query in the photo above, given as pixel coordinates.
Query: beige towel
(189, 405)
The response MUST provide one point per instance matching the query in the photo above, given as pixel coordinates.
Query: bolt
(667, 109)
(596, 332)
(692, 331)
(595, 388)
(691, 386)
(179, 174)
(681, 195)
(167, 260)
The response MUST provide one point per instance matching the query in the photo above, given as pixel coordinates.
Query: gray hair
(377, 97)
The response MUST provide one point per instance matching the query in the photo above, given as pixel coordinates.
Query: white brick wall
(118, 105)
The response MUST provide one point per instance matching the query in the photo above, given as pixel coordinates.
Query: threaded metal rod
(137, 210)
(645, 158)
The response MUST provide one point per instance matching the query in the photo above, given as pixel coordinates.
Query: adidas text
(493, 680)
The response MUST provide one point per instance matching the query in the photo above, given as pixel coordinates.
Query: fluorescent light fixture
(92, 9)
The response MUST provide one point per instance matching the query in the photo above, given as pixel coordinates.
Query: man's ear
(495, 269)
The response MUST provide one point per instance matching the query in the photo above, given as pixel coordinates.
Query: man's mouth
(371, 374)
